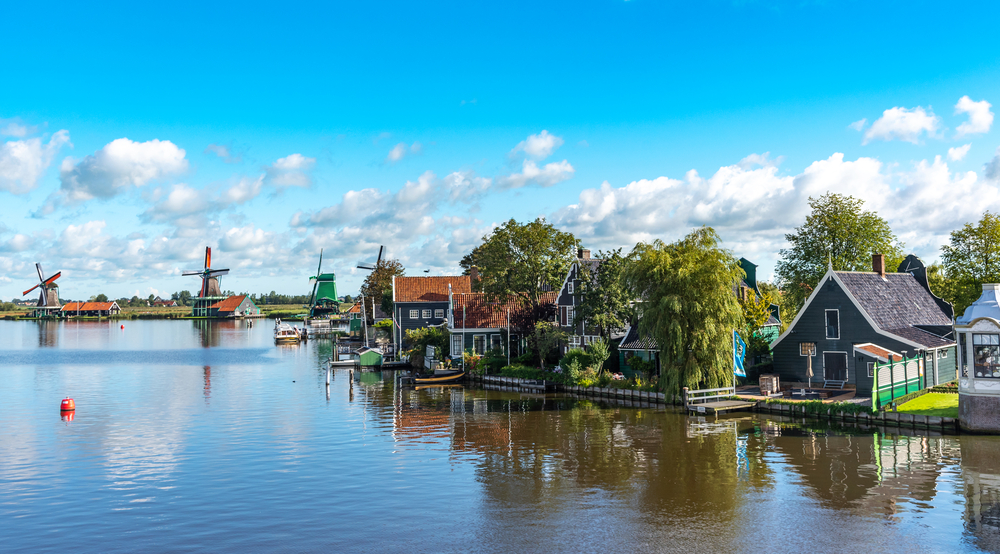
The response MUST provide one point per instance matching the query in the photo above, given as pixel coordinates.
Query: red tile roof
(87, 306)
(429, 289)
(481, 313)
(230, 304)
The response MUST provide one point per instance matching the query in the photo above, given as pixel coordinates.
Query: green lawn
(932, 404)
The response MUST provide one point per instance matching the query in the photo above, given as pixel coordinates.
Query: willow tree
(838, 231)
(688, 306)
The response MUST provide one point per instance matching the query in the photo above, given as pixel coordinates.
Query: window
(871, 369)
(569, 287)
(456, 345)
(479, 344)
(833, 324)
(438, 313)
(414, 314)
(495, 342)
(986, 355)
(427, 314)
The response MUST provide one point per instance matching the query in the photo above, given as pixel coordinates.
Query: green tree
(838, 232)
(380, 280)
(603, 300)
(521, 262)
(688, 307)
(971, 258)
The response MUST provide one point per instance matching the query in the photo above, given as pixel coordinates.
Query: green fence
(897, 378)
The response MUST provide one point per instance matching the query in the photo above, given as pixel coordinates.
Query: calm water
(206, 437)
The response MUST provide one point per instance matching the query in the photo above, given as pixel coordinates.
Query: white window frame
(426, 313)
(439, 313)
(847, 365)
(826, 325)
(414, 314)
(476, 350)
(459, 341)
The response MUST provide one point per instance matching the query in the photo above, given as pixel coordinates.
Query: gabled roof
(480, 313)
(88, 306)
(429, 289)
(229, 304)
(633, 341)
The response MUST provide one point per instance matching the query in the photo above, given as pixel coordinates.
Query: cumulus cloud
(401, 150)
(546, 176)
(224, 152)
(23, 162)
(903, 124)
(290, 171)
(958, 153)
(980, 117)
(538, 147)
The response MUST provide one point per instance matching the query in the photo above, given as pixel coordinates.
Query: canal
(199, 436)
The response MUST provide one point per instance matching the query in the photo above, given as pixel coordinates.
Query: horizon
(350, 127)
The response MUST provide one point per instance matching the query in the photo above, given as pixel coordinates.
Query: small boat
(440, 377)
(286, 334)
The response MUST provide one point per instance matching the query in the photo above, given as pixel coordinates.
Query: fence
(897, 378)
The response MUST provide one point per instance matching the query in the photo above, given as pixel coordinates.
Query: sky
(132, 136)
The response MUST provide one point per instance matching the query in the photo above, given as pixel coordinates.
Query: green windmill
(323, 300)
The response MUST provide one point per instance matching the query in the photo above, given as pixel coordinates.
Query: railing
(897, 378)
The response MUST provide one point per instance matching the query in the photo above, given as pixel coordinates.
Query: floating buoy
(67, 405)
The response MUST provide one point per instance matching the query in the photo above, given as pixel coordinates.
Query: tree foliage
(686, 304)
(838, 231)
(603, 300)
(521, 262)
(971, 258)
(380, 280)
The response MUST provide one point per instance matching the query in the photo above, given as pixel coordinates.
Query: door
(835, 366)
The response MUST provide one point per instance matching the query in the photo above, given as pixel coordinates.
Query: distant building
(90, 309)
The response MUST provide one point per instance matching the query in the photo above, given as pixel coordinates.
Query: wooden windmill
(210, 289)
(323, 299)
(48, 300)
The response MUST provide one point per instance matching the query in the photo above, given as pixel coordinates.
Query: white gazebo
(978, 334)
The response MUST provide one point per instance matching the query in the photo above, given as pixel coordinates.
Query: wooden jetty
(714, 401)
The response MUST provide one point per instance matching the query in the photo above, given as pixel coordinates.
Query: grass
(932, 404)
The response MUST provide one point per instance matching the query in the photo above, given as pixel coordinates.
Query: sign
(739, 355)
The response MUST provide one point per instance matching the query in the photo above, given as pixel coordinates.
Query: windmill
(323, 299)
(49, 297)
(210, 290)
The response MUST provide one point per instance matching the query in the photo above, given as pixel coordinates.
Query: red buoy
(67, 405)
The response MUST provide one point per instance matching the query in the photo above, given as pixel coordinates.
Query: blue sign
(739, 354)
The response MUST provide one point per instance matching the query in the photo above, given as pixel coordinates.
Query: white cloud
(120, 165)
(992, 169)
(401, 150)
(538, 146)
(980, 117)
(225, 152)
(290, 171)
(958, 153)
(23, 162)
(859, 124)
(545, 176)
(903, 124)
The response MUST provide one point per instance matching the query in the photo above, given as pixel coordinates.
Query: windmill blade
(50, 280)
(38, 266)
(319, 269)
(208, 257)
(31, 289)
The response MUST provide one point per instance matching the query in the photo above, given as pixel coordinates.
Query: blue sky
(133, 136)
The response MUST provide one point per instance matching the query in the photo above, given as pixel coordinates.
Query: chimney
(583, 254)
(474, 275)
(878, 264)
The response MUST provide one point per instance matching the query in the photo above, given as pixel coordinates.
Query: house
(852, 320)
(420, 302)
(90, 309)
(578, 333)
(478, 325)
(234, 306)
